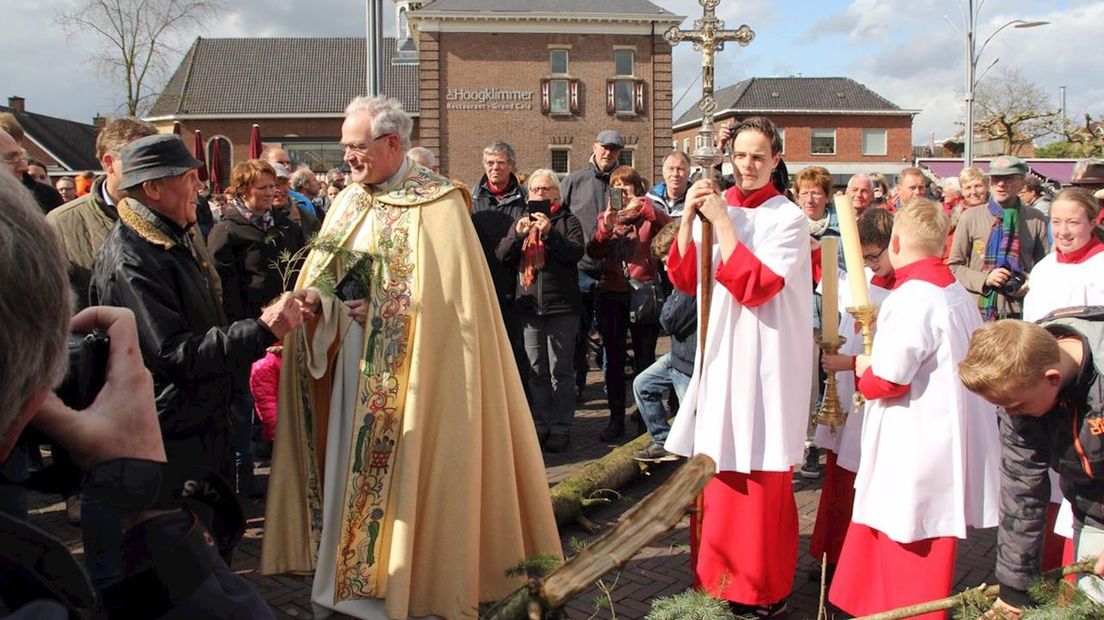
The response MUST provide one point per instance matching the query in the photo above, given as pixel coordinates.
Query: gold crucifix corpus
(709, 36)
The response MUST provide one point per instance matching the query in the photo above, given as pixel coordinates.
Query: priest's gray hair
(34, 304)
(387, 116)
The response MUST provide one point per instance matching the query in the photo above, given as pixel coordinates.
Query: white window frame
(632, 61)
(552, 99)
(870, 131)
(567, 61)
(782, 139)
(813, 136)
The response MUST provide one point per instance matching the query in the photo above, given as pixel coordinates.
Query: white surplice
(1055, 285)
(747, 405)
(930, 459)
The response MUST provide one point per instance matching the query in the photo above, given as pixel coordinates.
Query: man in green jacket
(83, 223)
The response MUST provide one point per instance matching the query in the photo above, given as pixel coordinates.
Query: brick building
(833, 122)
(544, 75)
(66, 147)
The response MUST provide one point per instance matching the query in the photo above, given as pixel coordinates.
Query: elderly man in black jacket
(153, 264)
(497, 202)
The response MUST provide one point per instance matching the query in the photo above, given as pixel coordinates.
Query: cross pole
(708, 36)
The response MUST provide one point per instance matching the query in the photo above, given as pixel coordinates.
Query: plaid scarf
(1001, 250)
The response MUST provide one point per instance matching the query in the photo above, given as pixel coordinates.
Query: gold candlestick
(831, 413)
(864, 316)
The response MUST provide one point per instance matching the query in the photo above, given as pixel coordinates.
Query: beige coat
(967, 254)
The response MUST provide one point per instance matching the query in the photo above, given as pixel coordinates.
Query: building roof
(838, 95)
(71, 144)
(630, 7)
(266, 77)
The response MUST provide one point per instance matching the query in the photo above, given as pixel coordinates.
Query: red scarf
(931, 270)
(737, 198)
(1092, 248)
(497, 191)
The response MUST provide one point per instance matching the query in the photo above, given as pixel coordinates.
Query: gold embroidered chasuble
(444, 484)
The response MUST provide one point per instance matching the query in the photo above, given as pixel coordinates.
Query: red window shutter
(638, 98)
(611, 103)
(573, 95)
(546, 100)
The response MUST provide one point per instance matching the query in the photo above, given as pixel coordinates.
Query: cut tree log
(651, 518)
(577, 492)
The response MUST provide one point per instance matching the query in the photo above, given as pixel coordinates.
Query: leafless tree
(138, 37)
(1013, 109)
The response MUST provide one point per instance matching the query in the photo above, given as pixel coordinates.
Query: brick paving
(660, 569)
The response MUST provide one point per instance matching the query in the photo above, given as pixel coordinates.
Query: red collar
(1087, 251)
(497, 191)
(736, 197)
(931, 270)
(555, 207)
(887, 282)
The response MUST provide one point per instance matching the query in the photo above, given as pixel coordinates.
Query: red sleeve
(750, 281)
(874, 387)
(817, 267)
(601, 233)
(683, 270)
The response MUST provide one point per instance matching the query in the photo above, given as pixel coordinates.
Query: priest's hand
(862, 362)
(283, 316)
(310, 301)
(358, 310)
(1002, 611)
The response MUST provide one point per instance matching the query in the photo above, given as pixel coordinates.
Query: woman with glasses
(542, 248)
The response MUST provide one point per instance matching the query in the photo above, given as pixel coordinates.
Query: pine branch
(980, 596)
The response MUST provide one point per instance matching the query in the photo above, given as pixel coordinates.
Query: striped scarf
(1001, 250)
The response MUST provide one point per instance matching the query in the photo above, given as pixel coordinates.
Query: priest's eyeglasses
(362, 148)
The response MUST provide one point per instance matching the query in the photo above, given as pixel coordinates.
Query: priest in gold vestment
(406, 472)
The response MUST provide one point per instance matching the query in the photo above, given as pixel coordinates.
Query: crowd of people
(404, 346)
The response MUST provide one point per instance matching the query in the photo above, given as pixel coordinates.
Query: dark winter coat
(248, 261)
(1030, 446)
(162, 274)
(556, 287)
(586, 192)
(83, 224)
(493, 218)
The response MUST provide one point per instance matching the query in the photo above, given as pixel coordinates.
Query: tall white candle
(852, 251)
(829, 284)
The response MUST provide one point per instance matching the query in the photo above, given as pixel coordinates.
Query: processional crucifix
(709, 36)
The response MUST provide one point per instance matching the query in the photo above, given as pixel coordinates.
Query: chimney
(18, 104)
(99, 121)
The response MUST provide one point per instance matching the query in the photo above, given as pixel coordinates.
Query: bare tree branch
(137, 37)
(1013, 110)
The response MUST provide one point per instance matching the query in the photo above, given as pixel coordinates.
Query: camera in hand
(87, 369)
(540, 206)
(1015, 282)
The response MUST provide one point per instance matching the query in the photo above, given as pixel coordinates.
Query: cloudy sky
(905, 50)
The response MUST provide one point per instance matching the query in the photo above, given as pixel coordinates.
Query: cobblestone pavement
(660, 569)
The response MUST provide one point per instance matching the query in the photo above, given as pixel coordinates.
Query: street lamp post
(971, 12)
